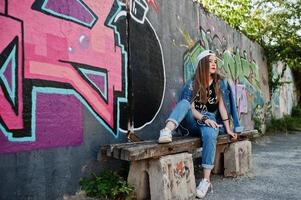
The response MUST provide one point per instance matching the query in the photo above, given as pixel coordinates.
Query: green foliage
(287, 123)
(296, 112)
(261, 115)
(257, 123)
(282, 34)
(108, 185)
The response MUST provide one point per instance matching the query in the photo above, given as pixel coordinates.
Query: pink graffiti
(154, 4)
(48, 41)
(49, 52)
(9, 29)
(241, 98)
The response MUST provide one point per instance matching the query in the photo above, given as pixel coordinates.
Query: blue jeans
(182, 115)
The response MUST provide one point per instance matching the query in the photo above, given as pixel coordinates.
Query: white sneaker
(165, 136)
(203, 188)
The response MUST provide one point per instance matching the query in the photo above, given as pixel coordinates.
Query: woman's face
(212, 64)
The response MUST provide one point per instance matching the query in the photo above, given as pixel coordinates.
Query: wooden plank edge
(114, 150)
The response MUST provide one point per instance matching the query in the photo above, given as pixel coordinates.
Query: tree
(282, 34)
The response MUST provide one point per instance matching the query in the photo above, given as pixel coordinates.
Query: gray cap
(203, 55)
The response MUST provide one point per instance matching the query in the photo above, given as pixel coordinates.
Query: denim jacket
(228, 98)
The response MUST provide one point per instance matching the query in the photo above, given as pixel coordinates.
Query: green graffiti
(245, 67)
(205, 39)
(190, 59)
(229, 65)
(238, 70)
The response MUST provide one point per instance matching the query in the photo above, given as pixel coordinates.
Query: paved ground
(276, 172)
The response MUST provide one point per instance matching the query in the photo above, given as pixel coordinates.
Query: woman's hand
(232, 134)
(212, 123)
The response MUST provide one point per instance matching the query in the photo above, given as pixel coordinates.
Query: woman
(200, 105)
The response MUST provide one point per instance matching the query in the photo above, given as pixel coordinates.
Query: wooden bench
(145, 155)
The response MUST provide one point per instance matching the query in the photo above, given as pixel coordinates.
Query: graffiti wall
(239, 60)
(78, 74)
(72, 77)
(284, 96)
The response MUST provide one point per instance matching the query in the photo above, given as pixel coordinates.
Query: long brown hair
(201, 81)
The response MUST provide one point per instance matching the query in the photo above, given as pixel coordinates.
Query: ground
(275, 175)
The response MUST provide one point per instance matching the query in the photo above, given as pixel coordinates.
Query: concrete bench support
(238, 159)
(168, 177)
(165, 171)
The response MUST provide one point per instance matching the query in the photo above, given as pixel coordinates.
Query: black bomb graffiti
(147, 78)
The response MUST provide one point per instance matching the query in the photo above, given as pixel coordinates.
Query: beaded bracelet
(204, 118)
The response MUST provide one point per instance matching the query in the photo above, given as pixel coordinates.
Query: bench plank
(133, 151)
(154, 150)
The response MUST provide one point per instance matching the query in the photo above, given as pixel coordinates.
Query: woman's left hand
(232, 134)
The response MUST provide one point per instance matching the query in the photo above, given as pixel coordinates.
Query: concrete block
(139, 178)
(167, 178)
(172, 177)
(238, 158)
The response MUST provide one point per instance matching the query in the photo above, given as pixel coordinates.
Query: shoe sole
(199, 197)
(164, 140)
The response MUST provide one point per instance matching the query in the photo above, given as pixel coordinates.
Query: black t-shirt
(211, 105)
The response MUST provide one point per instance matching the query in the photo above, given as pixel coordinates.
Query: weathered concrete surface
(238, 159)
(276, 172)
(169, 177)
(286, 96)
